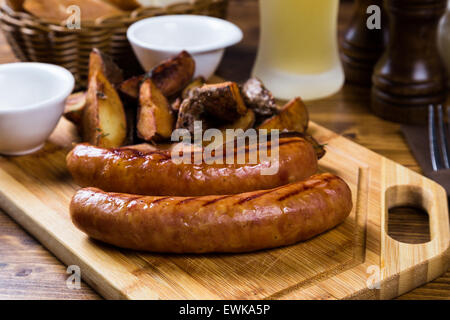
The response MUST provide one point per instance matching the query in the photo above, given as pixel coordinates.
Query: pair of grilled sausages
(188, 219)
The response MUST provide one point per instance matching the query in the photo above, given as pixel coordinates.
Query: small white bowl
(32, 97)
(205, 38)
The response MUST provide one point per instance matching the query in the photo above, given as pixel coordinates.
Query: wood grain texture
(36, 191)
(346, 113)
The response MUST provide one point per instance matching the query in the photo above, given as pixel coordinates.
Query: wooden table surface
(29, 271)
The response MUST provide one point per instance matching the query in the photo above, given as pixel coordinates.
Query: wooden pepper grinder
(410, 75)
(362, 47)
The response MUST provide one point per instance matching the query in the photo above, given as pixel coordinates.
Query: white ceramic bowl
(32, 97)
(205, 38)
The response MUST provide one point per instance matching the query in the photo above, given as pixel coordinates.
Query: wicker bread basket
(33, 39)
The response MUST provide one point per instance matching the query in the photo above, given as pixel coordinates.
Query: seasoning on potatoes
(173, 75)
(104, 121)
(99, 61)
(258, 98)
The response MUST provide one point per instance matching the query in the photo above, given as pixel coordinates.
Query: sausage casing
(233, 223)
(128, 170)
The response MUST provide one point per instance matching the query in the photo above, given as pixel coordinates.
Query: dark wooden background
(29, 271)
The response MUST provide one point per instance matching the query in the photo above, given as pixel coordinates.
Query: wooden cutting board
(350, 261)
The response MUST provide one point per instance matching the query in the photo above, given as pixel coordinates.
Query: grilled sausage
(233, 223)
(155, 173)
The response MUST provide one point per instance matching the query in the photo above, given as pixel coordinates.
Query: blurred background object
(444, 40)
(37, 39)
(298, 49)
(58, 10)
(362, 46)
(410, 75)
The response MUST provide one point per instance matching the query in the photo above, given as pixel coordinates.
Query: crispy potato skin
(155, 173)
(293, 116)
(258, 98)
(190, 111)
(104, 120)
(173, 75)
(101, 62)
(221, 101)
(130, 87)
(74, 108)
(196, 83)
(239, 223)
(245, 122)
(170, 76)
(155, 119)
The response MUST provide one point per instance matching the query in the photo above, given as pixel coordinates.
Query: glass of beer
(298, 51)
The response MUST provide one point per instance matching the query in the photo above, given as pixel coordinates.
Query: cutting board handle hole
(407, 217)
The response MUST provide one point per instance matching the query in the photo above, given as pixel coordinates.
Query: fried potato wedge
(74, 108)
(155, 120)
(170, 76)
(245, 122)
(189, 112)
(292, 117)
(196, 83)
(99, 61)
(104, 121)
(131, 115)
(173, 75)
(130, 87)
(258, 98)
(221, 101)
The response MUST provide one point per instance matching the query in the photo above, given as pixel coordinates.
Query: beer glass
(298, 50)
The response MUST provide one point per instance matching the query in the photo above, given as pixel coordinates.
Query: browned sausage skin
(155, 173)
(233, 223)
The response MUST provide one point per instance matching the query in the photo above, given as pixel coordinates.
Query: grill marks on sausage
(293, 193)
(131, 197)
(304, 187)
(166, 155)
(216, 200)
(247, 149)
(254, 196)
(132, 154)
(184, 201)
(159, 200)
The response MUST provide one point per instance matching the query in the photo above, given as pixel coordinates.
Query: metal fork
(437, 135)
